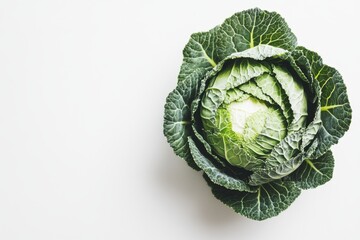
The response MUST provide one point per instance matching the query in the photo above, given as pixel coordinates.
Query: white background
(82, 154)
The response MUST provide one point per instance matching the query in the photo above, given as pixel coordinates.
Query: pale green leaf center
(241, 111)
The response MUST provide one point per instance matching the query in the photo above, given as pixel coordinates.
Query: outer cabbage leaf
(177, 117)
(199, 54)
(250, 28)
(268, 201)
(314, 172)
(335, 107)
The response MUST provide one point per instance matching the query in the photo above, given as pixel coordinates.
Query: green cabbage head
(256, 113)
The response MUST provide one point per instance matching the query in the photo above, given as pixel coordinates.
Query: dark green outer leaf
(313, 173)
(268, 201)
(250, 28)
(242, 31)
(336, 112)
(199, 54)
(177, 116)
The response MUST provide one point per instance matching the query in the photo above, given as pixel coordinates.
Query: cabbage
(256, 113)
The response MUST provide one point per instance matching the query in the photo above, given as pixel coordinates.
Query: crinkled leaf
(299, 62)
(177, 116)
(264, 130)
(335, 107)
(268, 201)
(206, 145)
(199, 54)
(312, 129)
(232, 151)
(254, 90)
(250, 28)
(297, 97)
(301, 66)
(210, 102)
(314, 172)
(233, 74)
(260, 52)
(283, 160)
(214, 173)
(271, 87)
